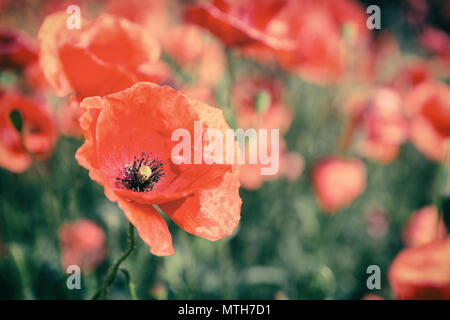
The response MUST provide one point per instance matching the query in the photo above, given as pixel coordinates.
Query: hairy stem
(103, 291)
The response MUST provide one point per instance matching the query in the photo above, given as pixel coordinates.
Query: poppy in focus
(128, 150)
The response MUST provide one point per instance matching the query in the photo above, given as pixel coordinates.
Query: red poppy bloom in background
(37, 136)
(153, 15)
(438, 43)
(422, 272)
(82, 244)
(128, 151)
(338, 182)
(320, 54)
(384, 125)
(411, 74)
(423, 227)
(290, 166)
(16, 50)
(237, 23)
(106, 55)
(429, 105)
(258, 103)
(304, 35)
(196, 53)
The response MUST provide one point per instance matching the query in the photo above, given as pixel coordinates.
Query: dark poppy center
(142, 174)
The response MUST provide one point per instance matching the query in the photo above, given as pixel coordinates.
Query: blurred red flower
(384, 125)
(196, 53)
(237, 23)
(258, 102)
(20, 53)
(429, 105)
(290, 166)
(106, 55)
(82, 244)
(37, 136)
(128, 151)
(411, 74)
(423, 227)
(317, 28)
(16, 50)
(422, 272)
(153, 15)
(304, 35)
(338, 182)
(438, 43)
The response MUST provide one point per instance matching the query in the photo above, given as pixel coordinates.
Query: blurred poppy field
(91, 92)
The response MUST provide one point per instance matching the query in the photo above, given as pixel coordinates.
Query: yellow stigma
(144, 174)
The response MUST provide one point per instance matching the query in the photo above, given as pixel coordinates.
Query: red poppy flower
(153, 15)
(413, 73)
(16, 50)
(106, 55)
(237, 23)
(438, 43)
(290, 166)
(429, 105)
(259, 103)
(82, 244)
(196, 53)
(128, 151)
(384, 125)
(423, 227)
(37, 136)
(319, 53)
(338, 182)
(422, 272)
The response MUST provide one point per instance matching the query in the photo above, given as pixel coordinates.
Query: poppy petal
(150, 225)
(212, 213)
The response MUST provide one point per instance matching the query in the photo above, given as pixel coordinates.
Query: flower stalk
(103, 291)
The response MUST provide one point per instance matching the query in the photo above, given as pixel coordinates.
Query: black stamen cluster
(128, 178)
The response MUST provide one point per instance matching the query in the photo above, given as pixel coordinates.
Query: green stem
(441, 184)
(130, 284)
(113, 271)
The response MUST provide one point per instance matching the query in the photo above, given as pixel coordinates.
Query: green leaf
(16, 120)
